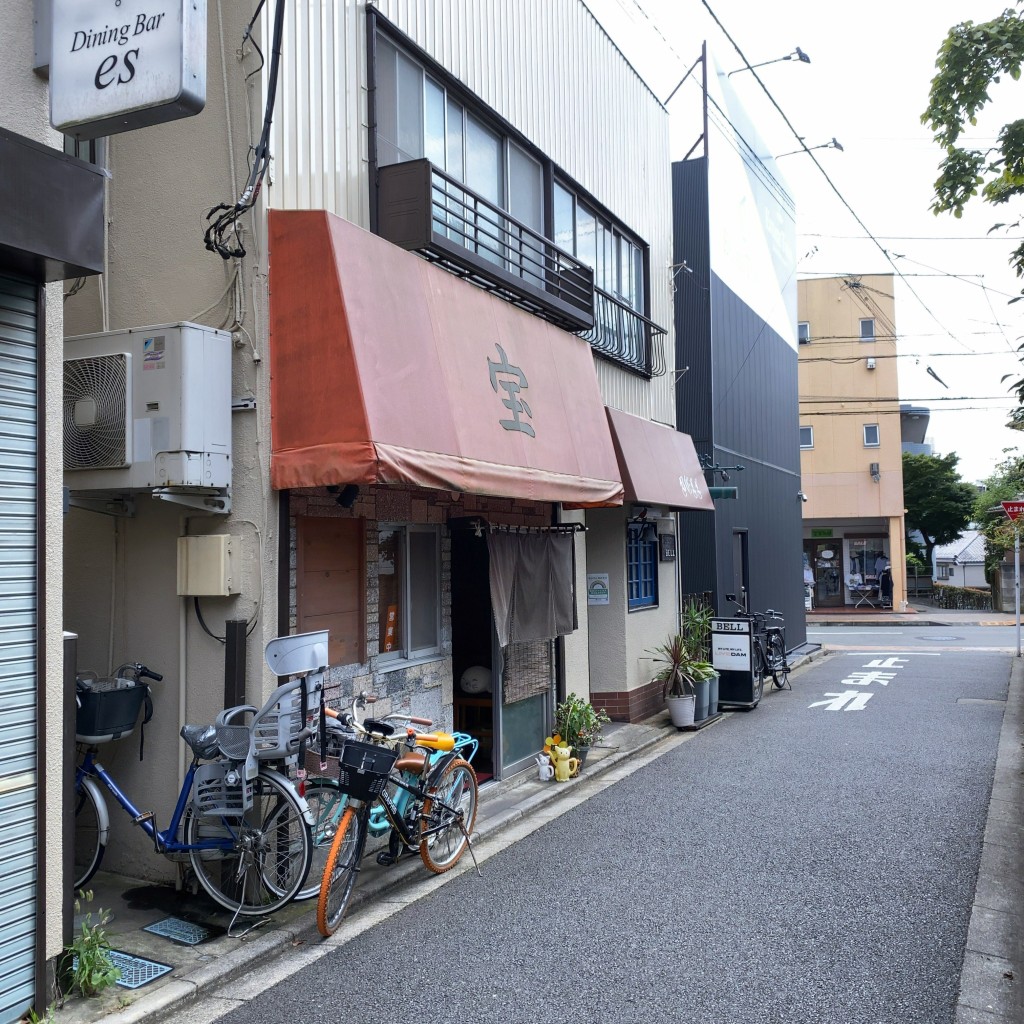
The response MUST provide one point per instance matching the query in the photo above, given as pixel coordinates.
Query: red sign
(1013, 508)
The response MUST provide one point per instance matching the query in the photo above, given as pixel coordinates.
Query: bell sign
(117, 65)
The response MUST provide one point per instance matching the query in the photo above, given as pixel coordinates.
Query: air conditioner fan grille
(95, 412)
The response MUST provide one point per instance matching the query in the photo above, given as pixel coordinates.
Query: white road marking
(848, 700)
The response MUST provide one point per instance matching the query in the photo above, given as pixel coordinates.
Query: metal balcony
(626, 337)
(425, 210)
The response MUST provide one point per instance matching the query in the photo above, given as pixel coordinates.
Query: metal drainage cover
(177, 930)
(926, 639)
(135, 970)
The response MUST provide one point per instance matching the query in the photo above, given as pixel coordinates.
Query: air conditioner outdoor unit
(148, 407)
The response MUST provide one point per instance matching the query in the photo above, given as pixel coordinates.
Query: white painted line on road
(858, 632)
(861, 652)
(848, 700)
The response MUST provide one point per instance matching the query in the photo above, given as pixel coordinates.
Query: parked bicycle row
(278, 801)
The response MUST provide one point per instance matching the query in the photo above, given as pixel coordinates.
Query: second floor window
(807, 437)
(871, 435)
(803, 332)
(867, 330)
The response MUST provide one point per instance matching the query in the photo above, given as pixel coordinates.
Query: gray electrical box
(208, 566)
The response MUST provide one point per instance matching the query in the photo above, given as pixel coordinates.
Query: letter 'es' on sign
(118, 65)
(1013, 508)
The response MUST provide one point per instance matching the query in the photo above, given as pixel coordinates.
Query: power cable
(824, 173)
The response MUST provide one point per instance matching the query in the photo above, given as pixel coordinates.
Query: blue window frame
(641, 565)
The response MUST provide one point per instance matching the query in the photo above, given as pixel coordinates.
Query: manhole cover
(136, 971)
(938, 638)
(176, 930)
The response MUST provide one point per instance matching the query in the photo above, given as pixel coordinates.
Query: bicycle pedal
(386, 858)
(145, 816)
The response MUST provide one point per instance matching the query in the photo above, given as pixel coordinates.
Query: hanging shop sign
(118, 65)
(821, 531)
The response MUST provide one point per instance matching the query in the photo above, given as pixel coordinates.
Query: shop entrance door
(826, 561)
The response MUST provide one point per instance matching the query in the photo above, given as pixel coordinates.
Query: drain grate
(177, 930)
(136, 971)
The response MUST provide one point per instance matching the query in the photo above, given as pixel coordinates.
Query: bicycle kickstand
(469, 846)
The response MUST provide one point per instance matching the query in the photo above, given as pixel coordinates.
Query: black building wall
(739, 402)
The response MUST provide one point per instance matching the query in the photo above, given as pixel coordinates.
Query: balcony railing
(625, 336)
(423, 209)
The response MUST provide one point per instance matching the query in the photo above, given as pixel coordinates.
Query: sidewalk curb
(990, 980)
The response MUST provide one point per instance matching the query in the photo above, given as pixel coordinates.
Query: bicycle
(244, 828)
(775, 651)
(433, 809)
(327, 802)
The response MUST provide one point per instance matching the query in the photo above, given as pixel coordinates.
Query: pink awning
(387, 369)
(659, 465)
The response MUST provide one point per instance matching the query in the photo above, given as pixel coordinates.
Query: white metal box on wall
(148, 407)
(208, 566)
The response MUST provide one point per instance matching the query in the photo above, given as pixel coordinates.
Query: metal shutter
(18, 656)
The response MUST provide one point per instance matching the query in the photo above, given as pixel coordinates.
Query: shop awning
(659, 465)
(386, 369)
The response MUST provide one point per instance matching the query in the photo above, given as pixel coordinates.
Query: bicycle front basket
(363, 769)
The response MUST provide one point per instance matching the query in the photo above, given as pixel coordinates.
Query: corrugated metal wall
(739, 402)
(549, 69)
(18, 655)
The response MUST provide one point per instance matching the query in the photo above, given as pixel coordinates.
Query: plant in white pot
(679, 674)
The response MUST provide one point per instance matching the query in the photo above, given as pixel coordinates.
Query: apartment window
(871, 435)
(409, 591)
(803, 332)
(641, 566)
(867, 330)
(330, 584)
(807, 437)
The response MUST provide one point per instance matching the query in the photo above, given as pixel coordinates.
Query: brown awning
(386, 369)
(659, 465)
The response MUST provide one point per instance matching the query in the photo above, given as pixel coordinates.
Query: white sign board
(730, 645)
(597, 588)
(117, 65)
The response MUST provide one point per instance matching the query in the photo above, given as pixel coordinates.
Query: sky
(866, 85)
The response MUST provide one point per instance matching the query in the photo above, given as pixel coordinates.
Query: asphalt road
(948, 637)
(811, 861)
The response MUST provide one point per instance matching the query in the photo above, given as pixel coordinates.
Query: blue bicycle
(242, 824)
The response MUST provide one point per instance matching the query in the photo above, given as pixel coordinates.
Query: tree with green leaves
(938, 503)
(972, 59)
(1005, 484)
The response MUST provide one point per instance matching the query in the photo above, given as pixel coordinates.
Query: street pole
(1016, 579)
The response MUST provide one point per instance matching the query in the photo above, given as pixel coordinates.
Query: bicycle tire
(89, 849)
(758, 666)
(341, 871)
(326, 805)
(457, 787)
(269, 860)
(777, 661)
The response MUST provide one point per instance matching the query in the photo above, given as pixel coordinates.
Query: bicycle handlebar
(138, 671)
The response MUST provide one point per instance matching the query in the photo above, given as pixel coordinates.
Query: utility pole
(1013, 509)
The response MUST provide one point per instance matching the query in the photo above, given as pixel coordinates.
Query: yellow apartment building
(850, 446)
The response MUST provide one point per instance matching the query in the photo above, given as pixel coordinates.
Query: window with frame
(871, 438)
(807, 437)
(420, 115)
(867, 330)
(803, 332)
(409, 591)
(641, 566)
(330, 584)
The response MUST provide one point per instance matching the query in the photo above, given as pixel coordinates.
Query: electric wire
(222, 235)
(853, 213)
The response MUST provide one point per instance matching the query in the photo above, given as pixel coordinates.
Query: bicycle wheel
(89, 846)
(777, 660)
(450, 803)
(341, 870)
(270, 853)
(326, 804)
(758, 666)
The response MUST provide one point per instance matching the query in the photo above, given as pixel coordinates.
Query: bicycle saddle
(202, 739)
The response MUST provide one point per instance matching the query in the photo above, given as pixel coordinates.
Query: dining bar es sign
(117, 65)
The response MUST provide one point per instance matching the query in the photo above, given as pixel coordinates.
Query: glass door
(826, 563)
(524, 703)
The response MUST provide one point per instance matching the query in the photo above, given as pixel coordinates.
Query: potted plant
(695, 629)
(680, 673)
(579, 724)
